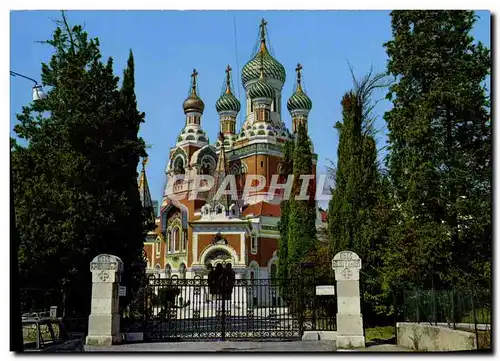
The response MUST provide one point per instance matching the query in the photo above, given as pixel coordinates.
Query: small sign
(346, 264)
(122, 291)
(325, 290)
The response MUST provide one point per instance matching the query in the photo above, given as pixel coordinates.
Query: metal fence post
(418, 306)
(453, 316)
(474, 314)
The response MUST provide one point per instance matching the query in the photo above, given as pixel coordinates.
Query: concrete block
(349, 324)
(327, 335)
(310, 336)
(350, 341)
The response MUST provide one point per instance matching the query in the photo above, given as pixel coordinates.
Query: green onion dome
(299, 100)
(227, 101)
(272, 68)
(261, 90)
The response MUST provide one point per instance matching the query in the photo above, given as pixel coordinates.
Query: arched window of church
(179, 166)
(170, 246)
(254, 244)
(207, 164)
(157, 246)
(175, 239)
(184, 242)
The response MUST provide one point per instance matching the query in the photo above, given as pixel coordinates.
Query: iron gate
(238, 309)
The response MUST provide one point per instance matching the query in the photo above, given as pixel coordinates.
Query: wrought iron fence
(468, 310)
(242, 309)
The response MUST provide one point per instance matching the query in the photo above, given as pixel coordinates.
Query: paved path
(219, 346)
(383, 348)
(240, 346)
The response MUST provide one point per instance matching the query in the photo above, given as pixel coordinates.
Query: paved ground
(218, 346)
(240, 346)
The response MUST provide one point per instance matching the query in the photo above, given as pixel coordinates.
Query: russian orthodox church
(193, 232)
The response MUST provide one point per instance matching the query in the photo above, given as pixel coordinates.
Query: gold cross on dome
(194, 75)
(262, 26)
(298, 70)
(228, 79)
(299, 76)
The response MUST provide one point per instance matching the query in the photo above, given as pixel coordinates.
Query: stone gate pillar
(346, 265)
(104, 319)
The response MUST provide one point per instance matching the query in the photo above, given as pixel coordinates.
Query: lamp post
(37, 92)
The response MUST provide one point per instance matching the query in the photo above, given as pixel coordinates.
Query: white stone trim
(229, 249)
(243, 248)
(195, 247)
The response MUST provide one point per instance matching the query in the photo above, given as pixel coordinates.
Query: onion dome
(272, 68)
(193, 103)
(227, 101)
(299, 100)
(261, 89)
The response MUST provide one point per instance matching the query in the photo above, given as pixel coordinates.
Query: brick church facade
(191, 231)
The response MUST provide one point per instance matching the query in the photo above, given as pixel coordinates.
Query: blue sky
(167, 45)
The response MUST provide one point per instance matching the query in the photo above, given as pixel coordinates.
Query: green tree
(302, 213)
(359, 208)
(74, 183)
(357, 175)
(440, 151)
(136, 220)
(285, 170)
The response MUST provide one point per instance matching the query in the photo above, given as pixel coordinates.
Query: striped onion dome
(272, 68)
(299, 100)
(227, 101)
(261, 90)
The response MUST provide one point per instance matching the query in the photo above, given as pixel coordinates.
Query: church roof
(219, 176)
(144, 192)
(262, 209)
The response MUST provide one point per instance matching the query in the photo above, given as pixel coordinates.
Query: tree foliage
(285, 171)
(302, 213)
(75, 183)
(440, 151)
(359, 208)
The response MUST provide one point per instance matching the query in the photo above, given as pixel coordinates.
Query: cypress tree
(357, 175)
(136, 221)
(302, 213)
(358, 210)
(283, 224)
(440, 150)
